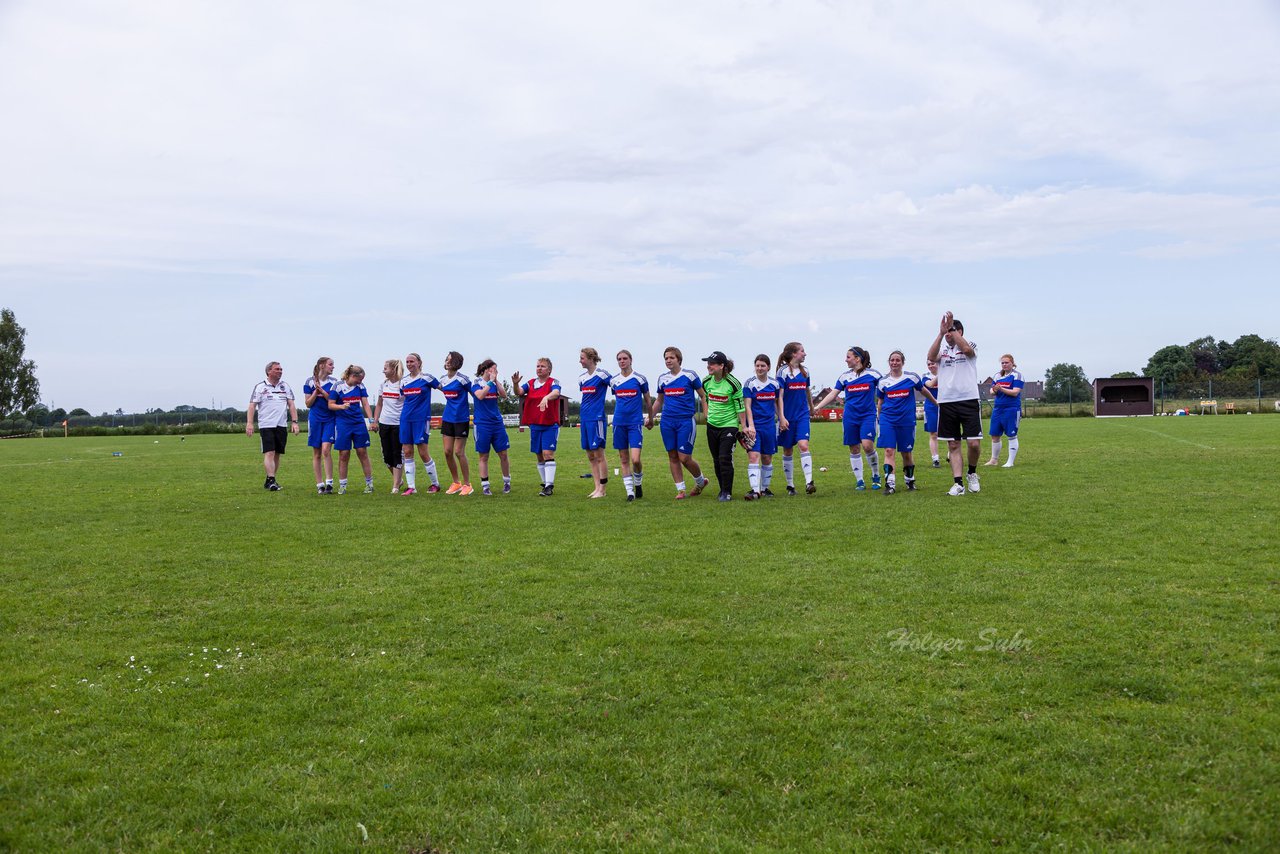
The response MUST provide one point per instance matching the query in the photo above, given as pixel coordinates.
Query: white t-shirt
(957, 374)
(392, 401)
(273, 403)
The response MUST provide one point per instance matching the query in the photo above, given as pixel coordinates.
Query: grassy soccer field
(1083, 655)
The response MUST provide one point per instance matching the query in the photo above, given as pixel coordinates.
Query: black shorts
(389, 435)
(455, 429)
(960, 419)
(273, 439)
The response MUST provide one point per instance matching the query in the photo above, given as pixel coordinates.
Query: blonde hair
(591, 354)
(397, 369)
(1009, 356)
(350, 372)
(628, 352)
(317, 372)
(545, 359)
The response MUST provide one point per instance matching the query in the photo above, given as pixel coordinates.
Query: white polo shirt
(273, 403)
(957, 374)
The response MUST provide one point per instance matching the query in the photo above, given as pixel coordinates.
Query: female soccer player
(763, 394)
(859, 386)
(677, 403)
(726, 416)
(593, 385)
(350, 401)
(320, 423)
(931, 412)
(630, 412)
(387, 416)
(798, 408)
(415, 422)
(491, 433)
(541, 411)
(897, 393)
(455, 423)
(1006, 410)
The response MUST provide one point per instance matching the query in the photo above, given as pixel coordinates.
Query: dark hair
(763, 358)
(862, 355)
(454, 360)
(957, 326)
(789, 350)
(485, 365)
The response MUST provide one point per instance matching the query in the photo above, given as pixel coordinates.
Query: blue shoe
(875, 482)
(860, 485)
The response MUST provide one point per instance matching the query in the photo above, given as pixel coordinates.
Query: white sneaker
(1007, 465)
(973, 483)
(956, 489)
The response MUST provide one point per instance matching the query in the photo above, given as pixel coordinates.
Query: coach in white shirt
(273, 399)
(958, 413)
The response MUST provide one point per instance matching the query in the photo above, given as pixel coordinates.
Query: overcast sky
(190, 189)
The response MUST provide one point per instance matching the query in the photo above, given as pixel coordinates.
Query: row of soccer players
(771, 410)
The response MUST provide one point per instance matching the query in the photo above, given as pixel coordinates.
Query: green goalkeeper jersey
(724, 400)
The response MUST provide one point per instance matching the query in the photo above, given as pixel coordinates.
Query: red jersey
(533, 395)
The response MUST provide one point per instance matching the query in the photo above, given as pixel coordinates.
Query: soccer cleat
(395, 490)
(342, 489)
(889, 488)
(860, 486)
(937, 464)
(433, 488)
(956, 489)
(639, 491)
(1007, 465)
(467, 489)
(409, 491)
(547, 490)
(810, 488)
(911, 486)
(751, 496)
(328, 489)
(875, 481)
(506, 489)
(973, 483)
(630, 498)
(791, 490)
(454, 488)
(273, 486)
(485, 490)
(368, 489)
(320, 489)
(681, 496)
(698, 486)
(266, 484)
(766, 493)
(724, 496)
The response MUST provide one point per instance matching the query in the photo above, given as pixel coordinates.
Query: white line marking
(1176, 438)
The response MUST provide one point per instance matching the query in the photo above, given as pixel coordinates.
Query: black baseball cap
(716, 356)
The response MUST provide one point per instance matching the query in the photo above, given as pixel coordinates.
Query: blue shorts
(766, 442)
(320, 431)
(901, 435)
(417, 432)
(542, 437)
(592, 433)
(931, 419)
(677, 434)
(795, 432)
(857, 428)
(625, 437)
(351, 435)
(1004, 422)
(491, 438)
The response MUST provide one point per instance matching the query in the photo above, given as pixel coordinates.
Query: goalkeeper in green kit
(726, 416)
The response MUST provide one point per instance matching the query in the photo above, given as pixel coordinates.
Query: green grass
(190, 662)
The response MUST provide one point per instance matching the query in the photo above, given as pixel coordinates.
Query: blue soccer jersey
(319, 410)
(680, 393)
(416, 393)
(593, 386)
(628, 396)
(353, 394)
(457, 397)
(763, 397)
(1011, 381)
(898, 398)
(795, 393)
(930, 381)
(859, 392)
(487, 412)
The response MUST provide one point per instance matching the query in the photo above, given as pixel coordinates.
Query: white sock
(1013, 450)
(679, 486)
(550, 468)
(806, 463)
(368, 481)
(431, 473)
(342, 481)
(855, 462)
(628, 484)
(637, 478)
(789, 469)
(875, 464)
(328, 481)
(995, 448)
(542, 473)
(506, 480)
(410, 473)
(753, 476)
(766, 475)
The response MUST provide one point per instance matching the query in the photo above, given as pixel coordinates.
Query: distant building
(1121, 396)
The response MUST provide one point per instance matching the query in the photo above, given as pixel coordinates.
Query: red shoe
(433, 488)
(410, 491)
(680, 496)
